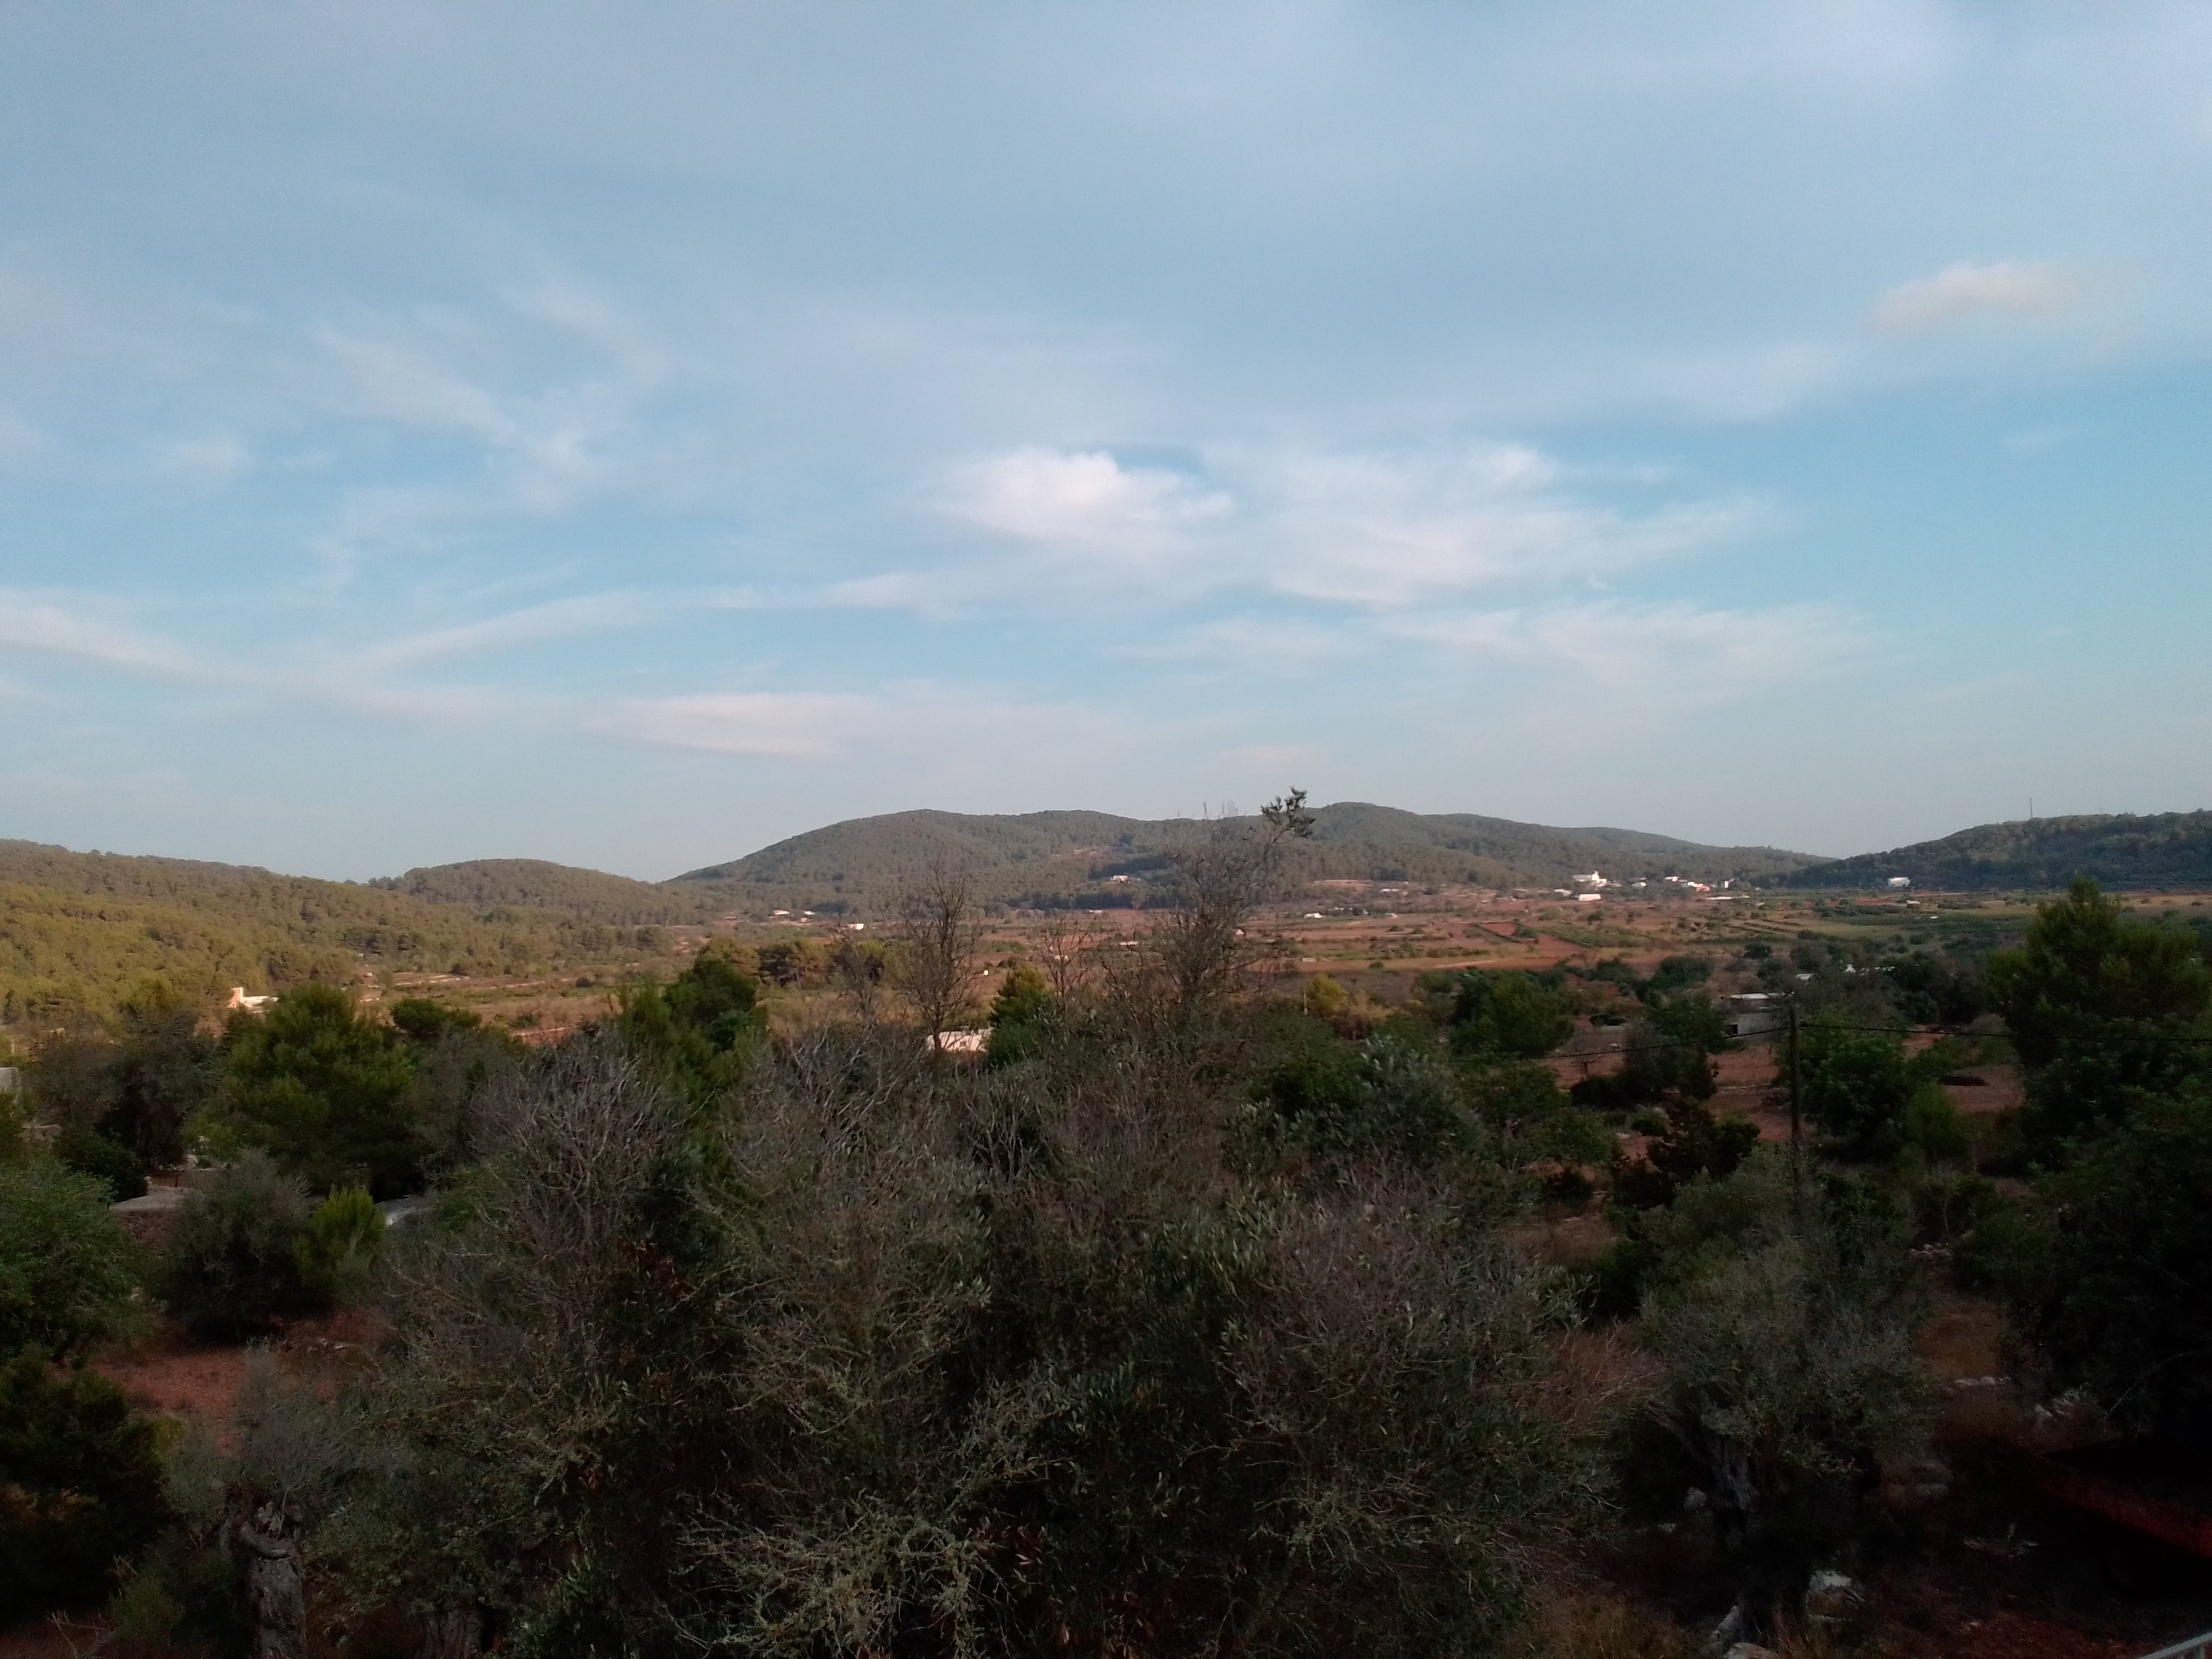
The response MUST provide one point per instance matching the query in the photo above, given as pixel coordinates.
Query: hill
(78, 930)
(2121, 850)
(1046, 858)
(534, 883)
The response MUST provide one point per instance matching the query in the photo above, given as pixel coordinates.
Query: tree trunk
(273, 1591)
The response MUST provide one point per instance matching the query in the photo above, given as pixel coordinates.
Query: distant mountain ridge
(2119, 850)
(860, 864)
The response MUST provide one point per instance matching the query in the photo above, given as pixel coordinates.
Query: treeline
(76, 930)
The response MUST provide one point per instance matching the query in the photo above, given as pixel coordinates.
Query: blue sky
(628, 435)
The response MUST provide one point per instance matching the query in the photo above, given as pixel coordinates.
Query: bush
(1697, 1144)
(340, 1248)
(1784, 1307)
(231, 1267)
(82, 1487)
(2112, 1274)
(113, 1165)
(68, 1272)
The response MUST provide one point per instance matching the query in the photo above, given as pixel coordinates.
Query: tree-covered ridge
(2116, 850)
(78, 928)
(860, 861)
(537, 884)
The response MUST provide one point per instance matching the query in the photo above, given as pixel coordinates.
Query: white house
(252, 1005)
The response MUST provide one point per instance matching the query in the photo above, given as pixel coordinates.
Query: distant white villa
(252, 1005)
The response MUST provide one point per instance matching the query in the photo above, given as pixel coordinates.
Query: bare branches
(938, 934)
(1226, 871)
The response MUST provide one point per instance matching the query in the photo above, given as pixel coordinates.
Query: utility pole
(1796, 1129)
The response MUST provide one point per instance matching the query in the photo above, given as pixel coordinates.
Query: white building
(1752, 1012)
(1900, 881)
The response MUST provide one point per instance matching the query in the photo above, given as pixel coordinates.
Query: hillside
(78, 930)
(534, 883)
(2121, 850)
(1056, 857)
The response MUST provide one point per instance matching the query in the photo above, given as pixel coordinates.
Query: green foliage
(424, 1022)
(700, 1029)
(325, 1089)
(2088, 971)
(1333, 1100)
(119, 1174)
(1696, 1146)
(1864, 1088)
(2092, 1000)
(68, 1271)
(340, 1248)
(2113, 1276)
(1934, 1127)
(1020, 1016)
(1782, 1306)
(1938, 991)
(1512, 1015)
(1668, 1056)
(230, 1266)
(81, 1486)
(163, 1073)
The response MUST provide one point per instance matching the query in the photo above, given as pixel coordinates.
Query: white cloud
(29, 623)
(1681, 653)
(2016, 288)
(1390, 530)
(1377, 529)
(1082, 501)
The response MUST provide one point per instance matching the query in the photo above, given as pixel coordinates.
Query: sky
(630, 435)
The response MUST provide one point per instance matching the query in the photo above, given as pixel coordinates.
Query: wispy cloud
(791, 725)
(38, 624)
(2011, 287)
(1376, 530)
(1683, 654)
(591, 613)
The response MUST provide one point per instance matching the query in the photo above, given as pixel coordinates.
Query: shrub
(112, 1164)
(1783, 1305)
(344, 1239)
(82, 1487)
(68, 1271)
(230, 1267)
(1697, 1144)
(1933, 1126)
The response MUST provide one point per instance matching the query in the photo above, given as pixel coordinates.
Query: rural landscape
(1302, 830)
(1326, 1227)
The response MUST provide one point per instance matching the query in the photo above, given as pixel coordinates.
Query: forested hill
(78, 930)
(2121, 850)
(862, 863)
(534, 883)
